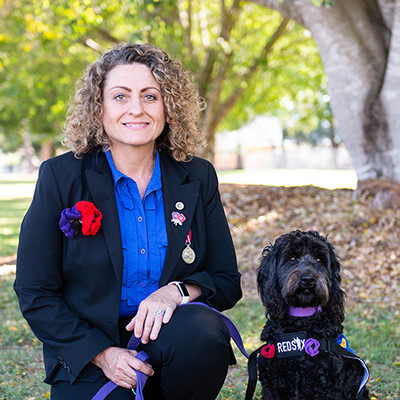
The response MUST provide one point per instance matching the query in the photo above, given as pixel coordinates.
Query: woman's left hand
(155, 310)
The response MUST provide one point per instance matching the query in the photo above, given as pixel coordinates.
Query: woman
(142, 230)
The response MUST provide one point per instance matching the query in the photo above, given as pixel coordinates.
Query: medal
(188, 253)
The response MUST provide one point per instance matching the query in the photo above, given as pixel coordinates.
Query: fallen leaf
(365, 237)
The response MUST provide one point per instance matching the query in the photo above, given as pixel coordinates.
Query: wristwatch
(182, 289)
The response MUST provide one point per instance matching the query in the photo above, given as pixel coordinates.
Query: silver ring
(162, 312)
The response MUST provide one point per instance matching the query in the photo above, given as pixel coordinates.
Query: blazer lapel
(176, 189)
(102, 189)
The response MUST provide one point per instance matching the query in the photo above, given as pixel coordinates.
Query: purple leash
(142, 356)
(233, 331)
(106, 389)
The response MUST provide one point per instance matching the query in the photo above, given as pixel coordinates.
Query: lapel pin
(178, 218)
(179, 206)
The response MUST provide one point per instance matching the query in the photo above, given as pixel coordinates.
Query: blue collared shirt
(143, 234)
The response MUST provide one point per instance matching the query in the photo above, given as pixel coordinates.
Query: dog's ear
(267, 281)
(337, 296)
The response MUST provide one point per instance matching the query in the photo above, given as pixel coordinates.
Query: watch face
(183, 289)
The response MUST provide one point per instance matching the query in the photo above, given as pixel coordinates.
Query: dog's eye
(319, 260)
(292, 259)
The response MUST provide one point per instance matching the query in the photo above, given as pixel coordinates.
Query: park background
(302, 123)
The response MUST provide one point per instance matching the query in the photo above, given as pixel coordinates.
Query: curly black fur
(302, 270)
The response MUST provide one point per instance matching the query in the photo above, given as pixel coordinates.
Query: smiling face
(133, 107)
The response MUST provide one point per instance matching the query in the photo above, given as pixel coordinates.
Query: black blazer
(69, 289)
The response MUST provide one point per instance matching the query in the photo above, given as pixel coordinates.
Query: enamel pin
(188, 253)
(178, 218)
(179, 206)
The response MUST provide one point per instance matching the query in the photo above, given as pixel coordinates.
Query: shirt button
(140, 219)
(143, 284)
(143, 251)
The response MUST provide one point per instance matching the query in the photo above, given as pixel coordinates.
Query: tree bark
(390, 90)
(359, 44)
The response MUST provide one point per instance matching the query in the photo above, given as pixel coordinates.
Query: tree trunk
(29, 152)
(46, 151)
(359, 44)
(391, 89)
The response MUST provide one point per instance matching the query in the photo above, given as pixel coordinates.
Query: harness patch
(290, 344)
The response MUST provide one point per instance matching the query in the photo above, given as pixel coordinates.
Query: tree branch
(101, 34)
(287, 8)
(215, 95)
(227, 24)
(105, 35)
(223, 110)
(225, 32)
(205, 74)
(189, 31)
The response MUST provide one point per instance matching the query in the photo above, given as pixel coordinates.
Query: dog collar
(303, 311)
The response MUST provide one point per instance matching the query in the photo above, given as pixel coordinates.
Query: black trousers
(190, 358)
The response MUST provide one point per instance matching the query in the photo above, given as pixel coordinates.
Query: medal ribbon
(189, 237)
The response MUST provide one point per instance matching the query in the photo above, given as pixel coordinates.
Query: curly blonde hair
(181, 136)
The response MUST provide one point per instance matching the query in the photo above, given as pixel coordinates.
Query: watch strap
(183, 291)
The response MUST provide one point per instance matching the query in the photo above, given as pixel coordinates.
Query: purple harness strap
(141, 377)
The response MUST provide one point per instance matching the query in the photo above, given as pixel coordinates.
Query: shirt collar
(155, 181)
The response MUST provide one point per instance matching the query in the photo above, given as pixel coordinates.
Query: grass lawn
(11, 213)
(372, 331)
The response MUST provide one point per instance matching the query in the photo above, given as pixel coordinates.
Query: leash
(233, 331)
(327, 345)
(106, 389)
(134, 342)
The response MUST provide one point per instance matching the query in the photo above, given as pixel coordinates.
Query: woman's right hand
(118, 363)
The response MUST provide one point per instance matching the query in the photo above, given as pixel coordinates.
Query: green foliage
(46, 45)
(291, 86)
(43, 52)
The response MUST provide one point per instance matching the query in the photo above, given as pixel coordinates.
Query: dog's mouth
(305, 293)
(304, 298)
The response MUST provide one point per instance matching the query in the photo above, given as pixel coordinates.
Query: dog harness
(297, 344)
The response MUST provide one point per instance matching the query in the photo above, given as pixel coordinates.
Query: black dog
(299, 284)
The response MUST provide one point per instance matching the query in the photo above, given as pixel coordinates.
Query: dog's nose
(307, 281)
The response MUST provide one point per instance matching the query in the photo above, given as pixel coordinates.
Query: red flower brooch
(268, 351)
(82, 216)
